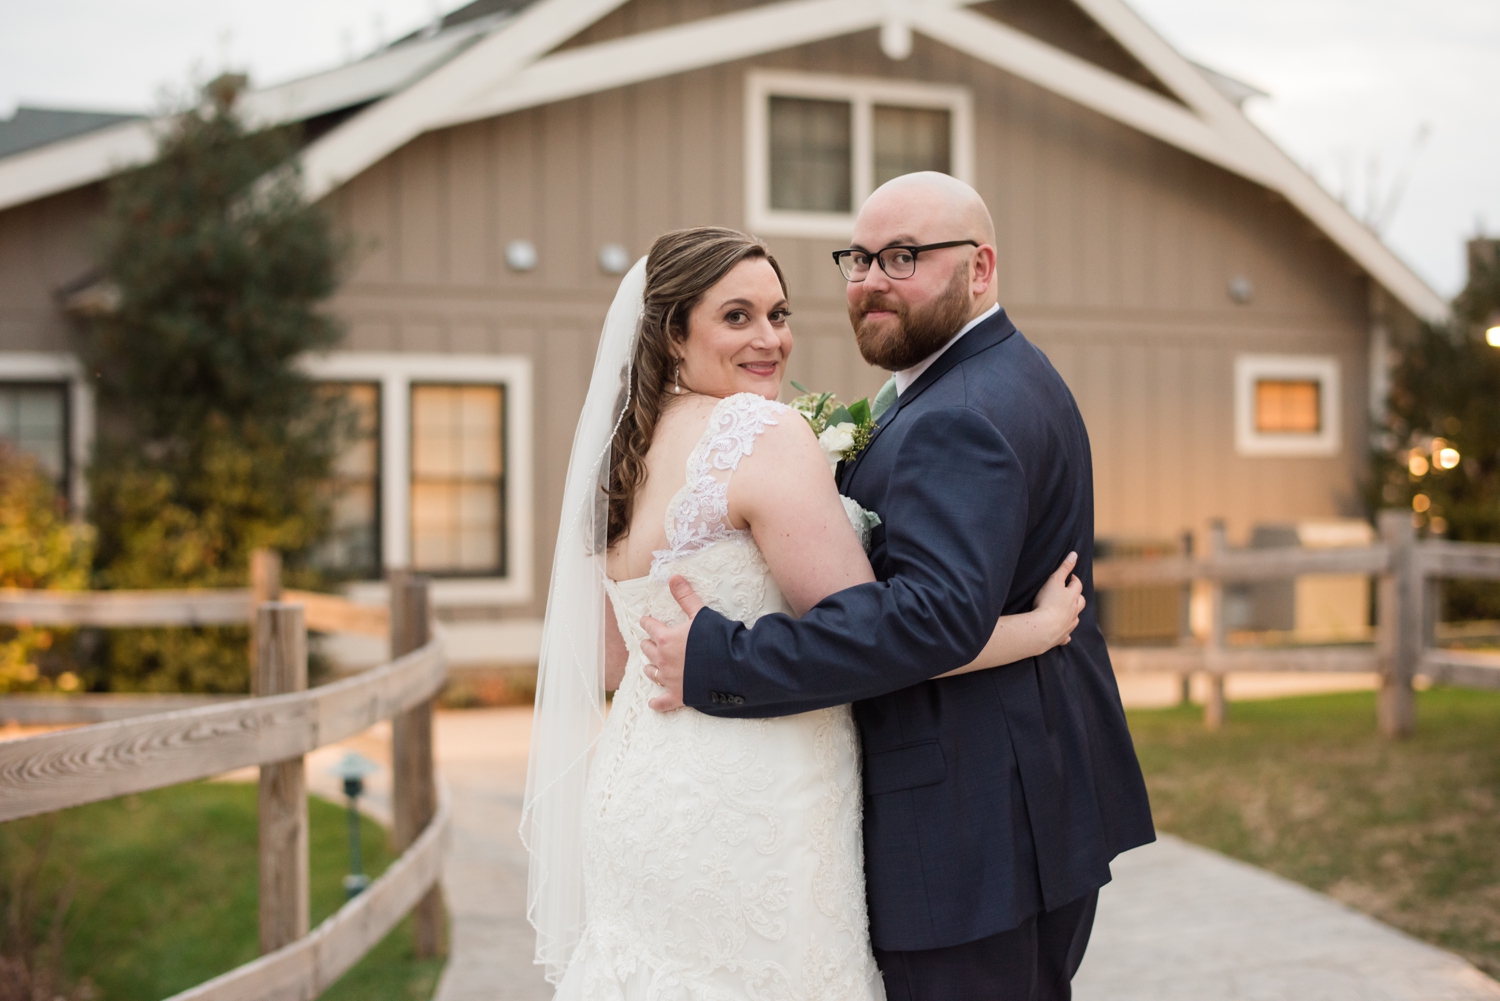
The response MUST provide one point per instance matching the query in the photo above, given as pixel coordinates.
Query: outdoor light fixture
(614, 259)
(1493, 334)
(1241, 289)
(520, 255)
(353, 770)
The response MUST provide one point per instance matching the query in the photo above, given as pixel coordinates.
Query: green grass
(1406, 831)
(165, 891)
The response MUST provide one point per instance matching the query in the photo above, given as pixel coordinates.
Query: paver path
(1179, 923)
(1182, 923)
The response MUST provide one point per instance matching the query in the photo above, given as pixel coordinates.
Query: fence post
(265, 585)
(281, 667)
(1401, 626)
(1213, 707)
(411, 750)
(1185, 626)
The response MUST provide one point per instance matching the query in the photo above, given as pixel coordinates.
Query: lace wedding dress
(722, 858)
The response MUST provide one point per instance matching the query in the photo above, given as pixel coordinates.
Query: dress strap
(699, 513)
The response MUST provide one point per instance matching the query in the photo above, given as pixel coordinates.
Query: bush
(39, 548)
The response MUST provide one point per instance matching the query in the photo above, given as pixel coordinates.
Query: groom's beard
(899, 343)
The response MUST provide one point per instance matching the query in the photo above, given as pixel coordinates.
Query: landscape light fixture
(353, 770)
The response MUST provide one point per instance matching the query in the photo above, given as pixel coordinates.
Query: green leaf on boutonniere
(860, 411)
(841, 416)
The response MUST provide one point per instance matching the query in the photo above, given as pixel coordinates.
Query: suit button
(715, 697)
(738, 700)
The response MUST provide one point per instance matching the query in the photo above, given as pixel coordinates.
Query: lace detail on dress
(698, 515)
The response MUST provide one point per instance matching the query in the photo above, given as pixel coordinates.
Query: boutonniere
(843, 430)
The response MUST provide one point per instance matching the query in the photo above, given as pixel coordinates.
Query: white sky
(1351, 81)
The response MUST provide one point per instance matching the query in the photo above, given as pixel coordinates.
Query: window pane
(353, 543)
(33, 418)
(458, 463)
(1288, 406)
(811, 169)
(911, 139)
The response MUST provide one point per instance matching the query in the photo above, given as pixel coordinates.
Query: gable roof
(497, 56)
(30, 127)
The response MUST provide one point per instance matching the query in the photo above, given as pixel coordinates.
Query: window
(353, 544)
(911, 139)
(457, 484)
(1286, 405)
(450, 455)
(818, 145)
(810, 165)
(34, 420)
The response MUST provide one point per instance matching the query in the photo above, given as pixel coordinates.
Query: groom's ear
(982, 277)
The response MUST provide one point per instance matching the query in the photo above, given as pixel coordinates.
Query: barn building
(1222, 321)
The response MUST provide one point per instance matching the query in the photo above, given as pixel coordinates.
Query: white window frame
(863, 93)
(1250, 369)
(60, 366)
(397, 372)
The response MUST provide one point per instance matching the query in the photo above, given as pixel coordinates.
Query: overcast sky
(1352, 83)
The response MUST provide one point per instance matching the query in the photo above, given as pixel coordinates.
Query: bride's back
(678, 431)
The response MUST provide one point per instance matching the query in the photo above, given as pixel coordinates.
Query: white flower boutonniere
(843, 431)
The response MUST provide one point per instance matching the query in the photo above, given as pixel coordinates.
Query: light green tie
(884, 399)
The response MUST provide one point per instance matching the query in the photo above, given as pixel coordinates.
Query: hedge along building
(1221, 320)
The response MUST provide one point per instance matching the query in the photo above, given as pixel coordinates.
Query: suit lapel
(993, 331)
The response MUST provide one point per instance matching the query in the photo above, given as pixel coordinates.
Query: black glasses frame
(840, 256)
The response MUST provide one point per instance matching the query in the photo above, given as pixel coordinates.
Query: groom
(994, 801)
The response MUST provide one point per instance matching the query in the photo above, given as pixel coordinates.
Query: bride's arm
(1050, 623)
(615, 653)
(784, 494)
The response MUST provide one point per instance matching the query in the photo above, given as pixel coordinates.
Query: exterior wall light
(1241, 289)
(520, 255)
(1493, 334)
(614, 259)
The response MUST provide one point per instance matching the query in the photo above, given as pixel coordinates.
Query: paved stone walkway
(1179, 923)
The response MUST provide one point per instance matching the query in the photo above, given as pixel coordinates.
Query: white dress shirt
(907, 376)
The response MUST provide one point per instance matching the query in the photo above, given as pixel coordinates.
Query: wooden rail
(326, 613)
(274, 730)
(53, 771)
(1407, 572)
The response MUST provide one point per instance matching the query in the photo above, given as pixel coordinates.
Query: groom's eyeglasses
(897, 262)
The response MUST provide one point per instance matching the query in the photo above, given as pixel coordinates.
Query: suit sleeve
(955, 521)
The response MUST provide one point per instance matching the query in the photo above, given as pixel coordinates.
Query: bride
(679, 856)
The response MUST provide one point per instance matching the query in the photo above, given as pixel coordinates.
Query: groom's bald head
(898, 322)
(946, 204)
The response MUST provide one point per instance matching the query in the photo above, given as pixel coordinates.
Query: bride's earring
(677, 379)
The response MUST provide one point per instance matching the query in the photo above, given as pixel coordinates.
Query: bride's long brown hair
(680, 268)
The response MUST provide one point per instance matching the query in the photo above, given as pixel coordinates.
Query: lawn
(1407, 831)
(164, 891)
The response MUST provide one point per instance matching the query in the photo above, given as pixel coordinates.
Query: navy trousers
(1033, 962)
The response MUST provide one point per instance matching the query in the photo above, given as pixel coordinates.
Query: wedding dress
(722, 858)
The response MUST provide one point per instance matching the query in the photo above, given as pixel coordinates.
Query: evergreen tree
(1442, 454)
(211, 442)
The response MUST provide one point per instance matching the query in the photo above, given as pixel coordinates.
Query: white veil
(570, 674)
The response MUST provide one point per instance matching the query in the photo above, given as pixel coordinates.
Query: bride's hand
(1060, 603)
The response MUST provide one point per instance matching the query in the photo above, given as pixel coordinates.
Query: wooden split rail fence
(281, 722)
(1408, 573)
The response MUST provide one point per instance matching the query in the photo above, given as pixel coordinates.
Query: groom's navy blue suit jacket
(994, 795)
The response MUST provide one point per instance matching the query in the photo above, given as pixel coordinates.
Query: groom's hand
(666, 647)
